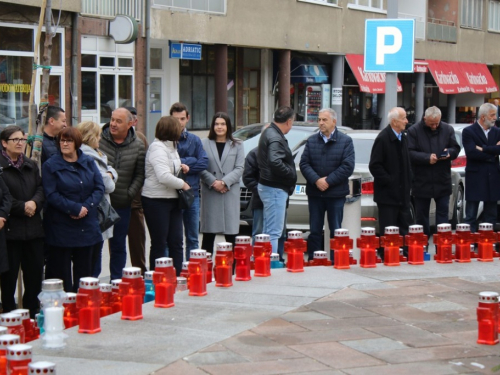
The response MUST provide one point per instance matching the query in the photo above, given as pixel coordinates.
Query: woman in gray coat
(220, 183)
(91, 134)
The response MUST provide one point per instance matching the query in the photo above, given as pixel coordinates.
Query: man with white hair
(481, 142)
(390, 168)
(432, 145)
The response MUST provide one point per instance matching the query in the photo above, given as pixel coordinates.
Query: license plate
(300, 189)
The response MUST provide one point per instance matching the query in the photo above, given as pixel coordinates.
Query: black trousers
(28, 255)
(208, 240)
(59, 265)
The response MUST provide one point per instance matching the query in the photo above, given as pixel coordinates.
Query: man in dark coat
(481, 142)
(326, 163)
(432, 145)
(390, 168)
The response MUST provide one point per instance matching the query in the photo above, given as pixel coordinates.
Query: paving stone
(214, 358)
(484, 365)
(304, 315)
(322, 336)
(482, 278)
(469, 338)
(445, 327)
(412, 336)
(277, 326)
(407, 283)
(461, 284)
(427, 354)
(428, 367)
(406, 314)
(374, 345)
(372, 286)
(179, 367)
(390, 301)
(375, 321)
(213, 348)
(411, 290)
(339, 309)
(438, 306)
(346, 294)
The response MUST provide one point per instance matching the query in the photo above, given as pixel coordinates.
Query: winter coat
(251, 177)
(276, 164)
(25, 185)
(333, 159)
(193, 155)
(49, 147)
(390, 168)
(127, 159)
(69, 187)
(101, 161)
(162, 166)
(220, 213)
(5, 205)
(431, 180)
(482, 173)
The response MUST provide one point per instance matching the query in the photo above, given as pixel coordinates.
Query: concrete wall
(69, 5)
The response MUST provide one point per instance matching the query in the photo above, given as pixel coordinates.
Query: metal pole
(147, 25)
(419, 96)
(284, 78)
(391, 79)
(337, 82)
(74, 69)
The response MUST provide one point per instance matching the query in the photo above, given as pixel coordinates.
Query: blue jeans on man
(422, 211)
(489, 213)
(334, 207)
(274, 200)
(258, 225)
(191, 219)
(118, 244)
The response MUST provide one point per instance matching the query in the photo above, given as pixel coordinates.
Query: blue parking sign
(389, 45)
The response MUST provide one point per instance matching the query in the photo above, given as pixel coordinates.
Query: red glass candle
(5, 341)
(88, 301)
(164, 289)
(210, 268)
(443, 240)
(320, 258)
(42, 367)
(487, 318)
(32, 332)
(132, 291)
(485, 240)
(185, 272)
(368, 243)
(262, 251)
(391, 241)
(18, 358)
(341, 244)
(242, 254)
(224, 265)
(295, 247)
(116, 298)
(71, 312)
(14, 325)
(462, 240)
(416, 240)
(198, 273)
(166, 265)
(106, 306)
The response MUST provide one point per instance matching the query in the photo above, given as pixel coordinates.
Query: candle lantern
(31, 331)
(18, 358)
(116, 298)
(368, 243)
(185, 271)
(149, 287)
(106, 307)
(88, 301)
(295, 247)
(181, 284)
(14, 324)
(224, 265)
(487, 318)
(320, 258)
(198, 273)
(166, 266)
(262, 251)
(210, 268)
(71, 312)
(164, 286)
(391, 241)
(5, 341)
(275, 261)
(52, 298)
(42, 367)
(242, 254)
(443, 240)
(341, 244)
(463, 239)
(416, 240)
(132, 292)
(485, 240)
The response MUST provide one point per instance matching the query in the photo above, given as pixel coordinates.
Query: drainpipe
(147, 22)
(74, 68)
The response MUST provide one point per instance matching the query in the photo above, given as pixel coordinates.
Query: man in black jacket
(432, 145)
(277, 173)
(390, 167)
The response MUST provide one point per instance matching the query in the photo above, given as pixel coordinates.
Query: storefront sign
(337, 96)
(9, 87)
(185, 51)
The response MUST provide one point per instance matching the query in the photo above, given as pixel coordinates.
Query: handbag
(186, 197)
(106, 214)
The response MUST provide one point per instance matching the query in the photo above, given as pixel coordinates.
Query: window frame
(335, 3)
(354, 4)
(465, 18)
(190, 9)
(495, 4)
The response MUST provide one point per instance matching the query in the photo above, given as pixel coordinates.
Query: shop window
(125, 63)
(155, 58)
(472, 14)
(494, 16)
(321, 2)
(56, 57)
(89, 61)
(369, 5)
(206, 6)
(107, 61)
(16, 39)
(89, 90)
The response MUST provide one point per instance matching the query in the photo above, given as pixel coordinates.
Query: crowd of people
(86, 164)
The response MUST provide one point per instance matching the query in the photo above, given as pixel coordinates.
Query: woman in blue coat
(73, 188)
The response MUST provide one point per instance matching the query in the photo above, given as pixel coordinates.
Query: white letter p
(387, 49)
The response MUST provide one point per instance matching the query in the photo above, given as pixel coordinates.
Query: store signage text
(10, 87)
(185, 51)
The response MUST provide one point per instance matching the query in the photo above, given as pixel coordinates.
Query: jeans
(117, 244)
(274, 200)
(191, 219)
(334, 207)
(257, 225)
(489, 213)
(422, 208)
(164, 220)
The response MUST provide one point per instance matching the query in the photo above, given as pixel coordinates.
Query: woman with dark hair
(220, 183)
(73, 188)
(160, 199)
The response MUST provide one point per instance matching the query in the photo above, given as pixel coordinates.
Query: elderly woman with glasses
(73, 189)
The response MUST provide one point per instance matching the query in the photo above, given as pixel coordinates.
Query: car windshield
(362, 150)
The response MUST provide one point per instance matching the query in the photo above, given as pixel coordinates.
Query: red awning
(420, 66)
(479, 78)
(368, 82)
(448, 76)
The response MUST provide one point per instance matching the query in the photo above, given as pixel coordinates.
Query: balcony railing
(110, 8)
(441, 31)
(419, 24)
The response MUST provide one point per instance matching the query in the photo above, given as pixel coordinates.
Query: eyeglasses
(67, 141)
(18, 140)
